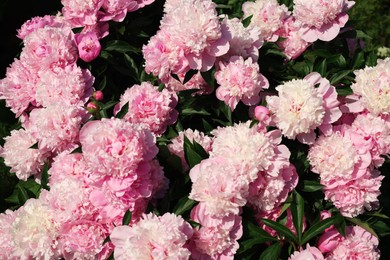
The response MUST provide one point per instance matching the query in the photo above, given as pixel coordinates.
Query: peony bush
(195, 129)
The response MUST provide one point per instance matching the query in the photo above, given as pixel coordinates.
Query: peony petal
(328, 32)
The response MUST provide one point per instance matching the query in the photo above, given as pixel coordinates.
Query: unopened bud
(98, 95)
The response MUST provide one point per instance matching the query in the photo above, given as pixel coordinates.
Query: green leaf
(362, 35)
(321, 68)
(192, 157)
(189, 75)
(194, 224)
(34, 146)
(127, 218)
(298, 212)
(77, 150)
(45, 177)
(364, 225)
(358, 60)
(247, 21)
(208, 76)
(311, 186)
(281, 229)
(317, 229)
(123, 111)
(339, 76)
(183, 205)
(344, 91)
(193, 111)
(132, 66)
(272, 252)
(257, 232)
(121, 46)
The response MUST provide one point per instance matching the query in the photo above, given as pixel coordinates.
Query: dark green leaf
(317, 229)
(45, 177)
(183, 205)
(193, 111)
(363, 224)
(339, 76)
(123, 111)
(106, 240)
(132, 66)
(358, 60)
(194, 224)
(121, 46)
(272, 252)
(247, 21)
(189, 75)
(77, 150)
(321, 68)
(34, 146)
(311, 186)
(298, 212)
(280, 229)
(344, 91)
(109, 104)
(127, 218)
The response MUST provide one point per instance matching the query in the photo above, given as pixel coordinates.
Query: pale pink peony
(34, 231)
(34, 24)
(116, 10)
(23, 160)
(310, 253)
(67, 86)
(353, 197)
(177, 145)
(66, 166)
(239, 79)
(372, 85)
(244, 42)
(153, 237)
(56, 127)
(320, 19)
(268, 192)
(358, 244)
(300, 107)
(375, 131)
(267, 16)
(220, 185)
(114, 147)
(83, 239)
(292, 45)
(251, 150)
(88, 45)
(80, 12)
(149, 107)
(18, 88)
(190, 37)
(48, 48)
(69, 199)
(333, 157)
(216, 238)
(6, 242)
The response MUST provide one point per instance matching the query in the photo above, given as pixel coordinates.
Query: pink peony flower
(292, 45)
(358, 244)
(267, 16)
(320, 19)
(23, 160)
(56, 127)
(48, 48)
(219, 185)
(190, 37)
(153, 238)
(177, 145)
(372, 85)
(80, 13)
(216, 238)
(329, 240)
(34, 231)
(117, 148)
(88, 45)
(310, 253)
(18, 88)
(68, 86)
(244, 42)
(251, 150)
(353, 197)
(6, 241)
(34, 24)
(300, 108)
(149, 107)
(83, 239)
(268, 192)
(240, 80)
(376, 131)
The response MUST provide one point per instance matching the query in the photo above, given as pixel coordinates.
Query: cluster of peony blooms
(116, 170)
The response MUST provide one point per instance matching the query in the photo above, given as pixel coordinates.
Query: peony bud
(88, 45)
